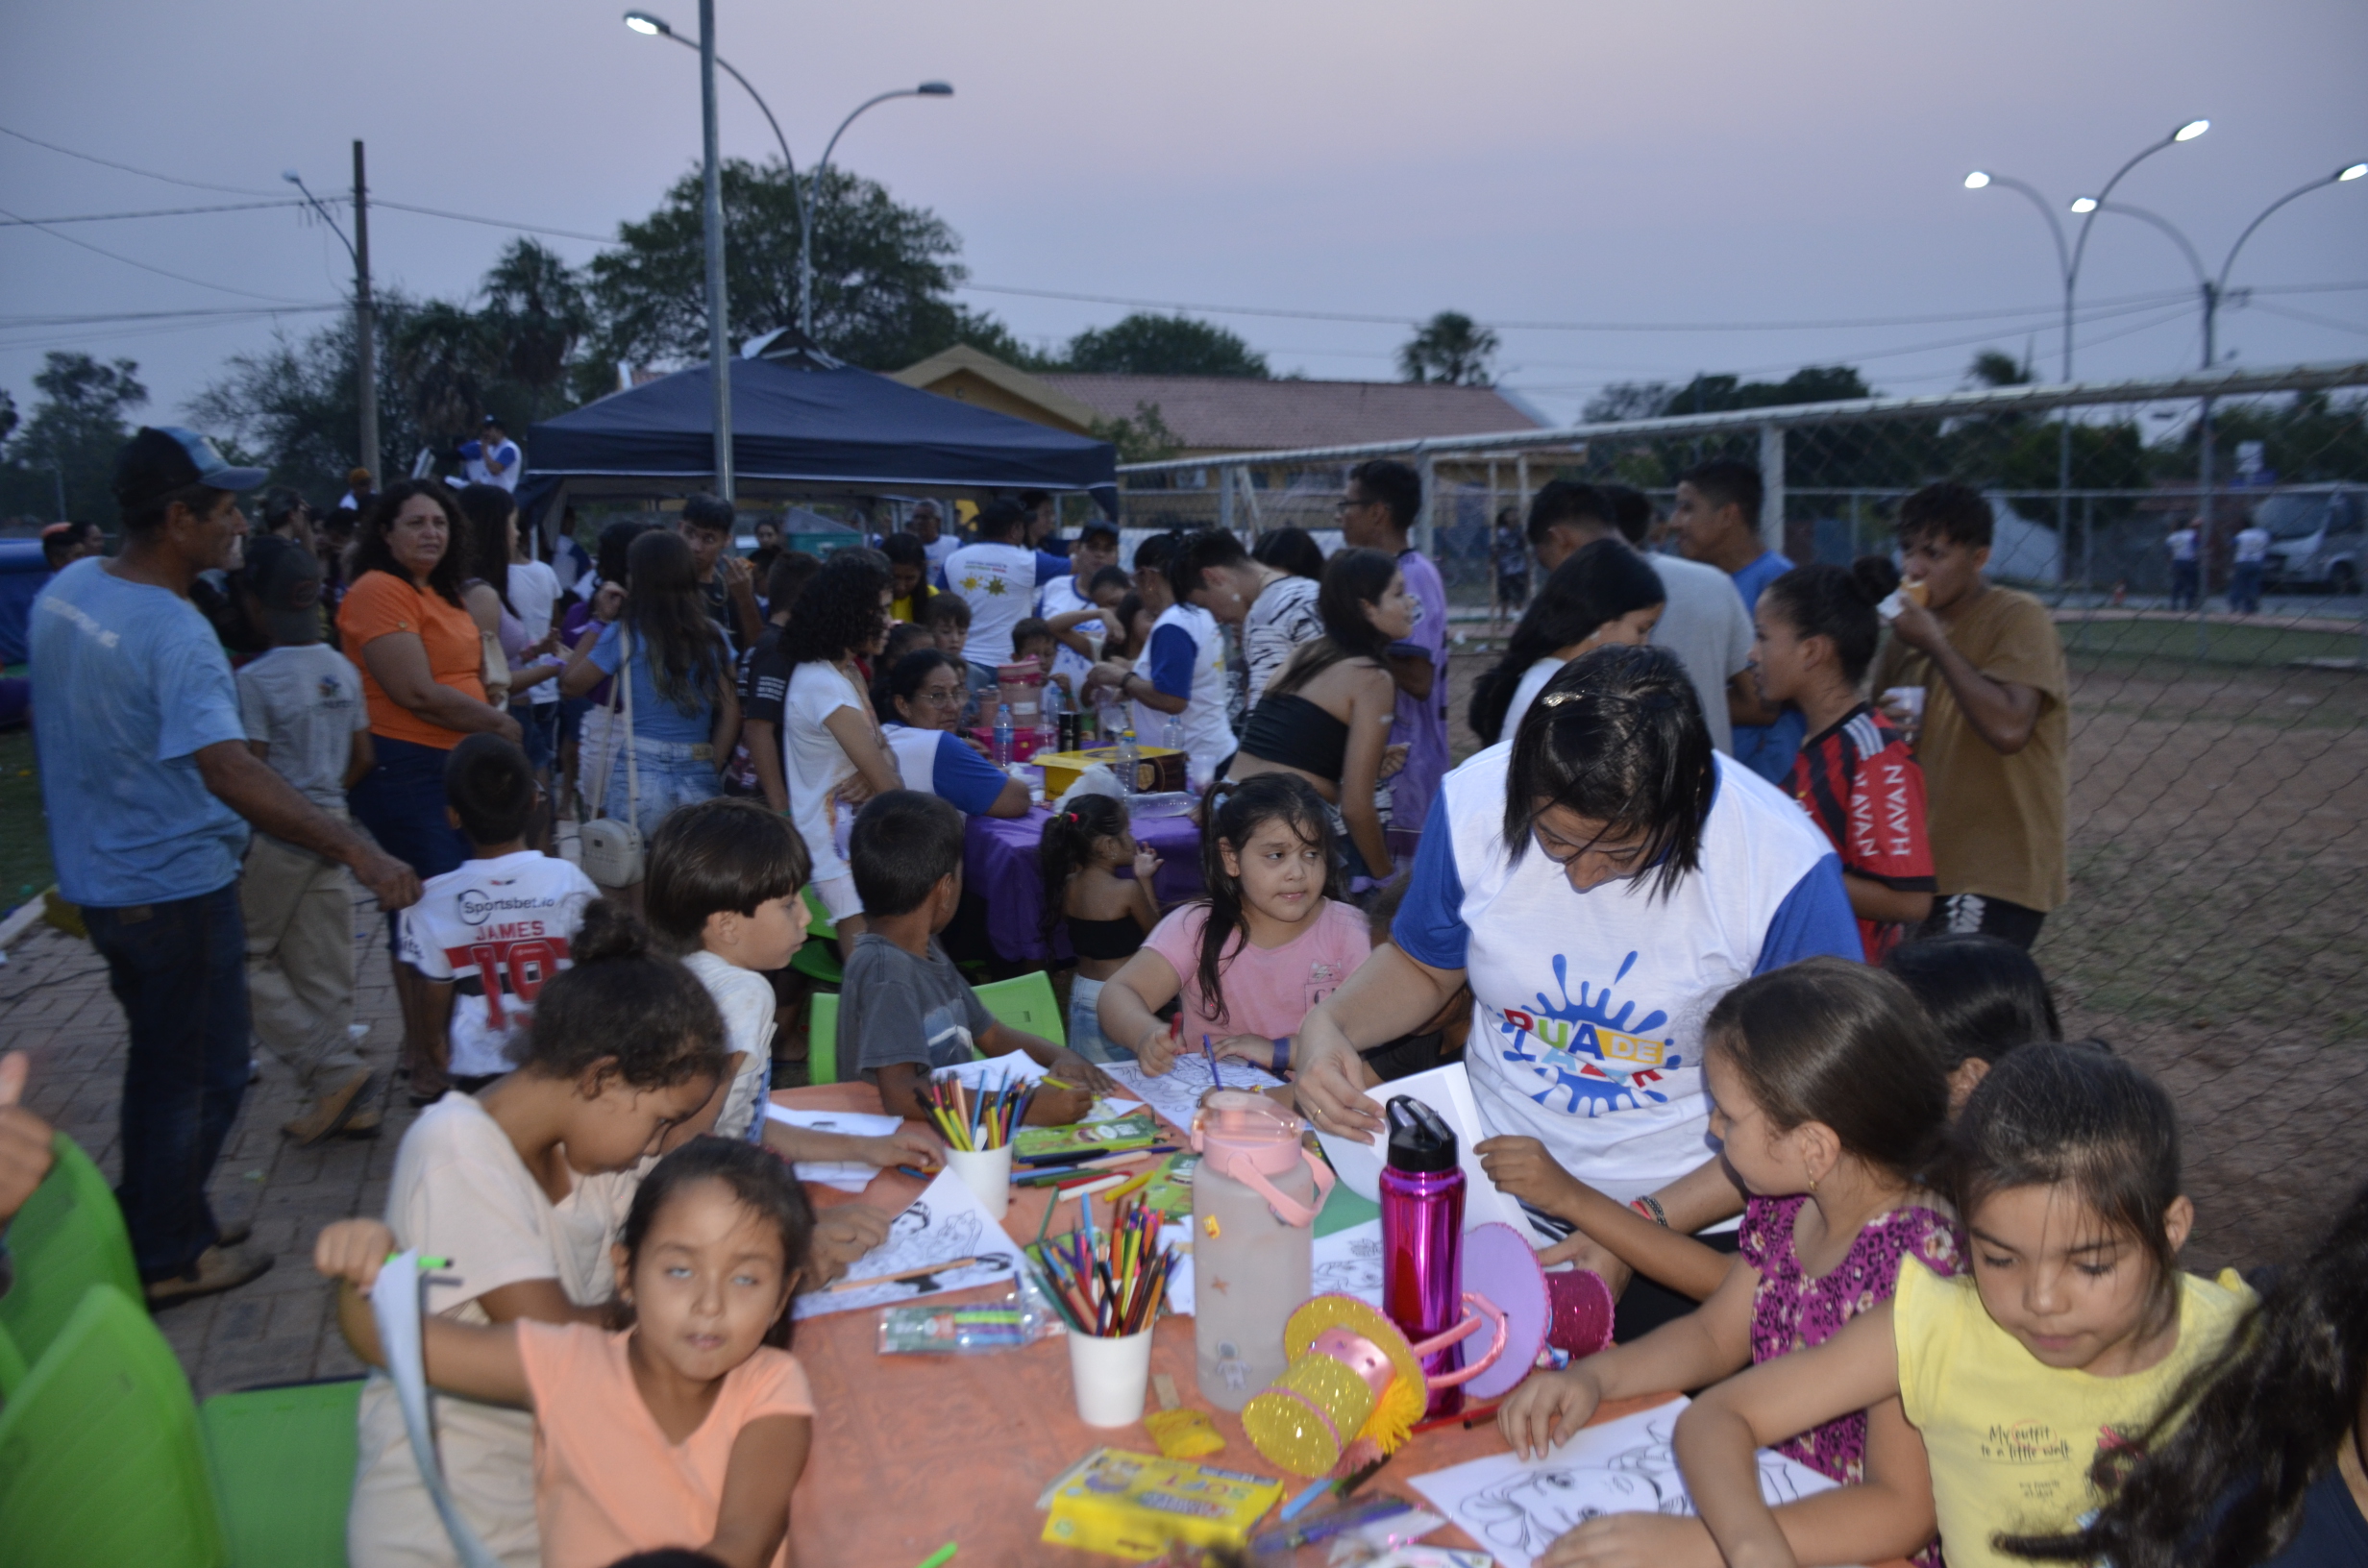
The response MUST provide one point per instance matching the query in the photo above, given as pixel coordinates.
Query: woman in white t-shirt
(1603, 593)
(832, 755)
(1599, 881)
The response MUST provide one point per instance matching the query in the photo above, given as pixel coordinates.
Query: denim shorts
(1085, 1035)
(665, 774)
(538, 731)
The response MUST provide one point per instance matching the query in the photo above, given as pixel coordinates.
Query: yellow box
(1134, 1505)
(1157, 769)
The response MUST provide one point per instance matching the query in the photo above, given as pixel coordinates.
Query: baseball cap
(287, 581)
(162, 458)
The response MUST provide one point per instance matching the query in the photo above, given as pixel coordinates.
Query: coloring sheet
(845, 1175)
(1517, 1509)
(1448, 1091)
(993, 1073)
(1175, 1095)
(1348, 1263)
(944, 1225)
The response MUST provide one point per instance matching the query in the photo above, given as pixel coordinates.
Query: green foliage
(72, 438)
(1991, 368)
(2312, 438)
(1815, 383)
(1144, 344)
(1144, 438)
(294, 404)
(1451, 348)
(537, 312)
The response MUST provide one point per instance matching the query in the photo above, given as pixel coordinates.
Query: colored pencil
(906, 1274)
(1217, 1080)
(938, 1558)
(1111, 1281)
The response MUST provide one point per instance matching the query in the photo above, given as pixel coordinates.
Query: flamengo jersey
(1588, 1008)
(1859, 783)
(498, 930)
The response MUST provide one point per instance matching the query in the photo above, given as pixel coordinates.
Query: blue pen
(1216, 1081)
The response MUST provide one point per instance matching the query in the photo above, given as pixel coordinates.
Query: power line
(493, 223)
(103, 318)
(2313, 319)
(153, 212)
(146, 174)
(176, 277)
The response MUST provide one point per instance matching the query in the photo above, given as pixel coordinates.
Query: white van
(2315, 536)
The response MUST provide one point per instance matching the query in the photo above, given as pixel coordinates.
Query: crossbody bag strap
(609, 754)
(632, 769)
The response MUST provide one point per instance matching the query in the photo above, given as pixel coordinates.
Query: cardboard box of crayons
(1116, 1136)
(1134, 1505)
(1157, 769)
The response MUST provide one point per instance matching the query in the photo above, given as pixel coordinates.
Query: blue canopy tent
(801, 430)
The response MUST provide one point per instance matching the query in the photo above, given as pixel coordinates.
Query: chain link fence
(2217, 930)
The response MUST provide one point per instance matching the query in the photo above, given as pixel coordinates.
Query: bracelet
(1650, 1208)
(1282, 1055)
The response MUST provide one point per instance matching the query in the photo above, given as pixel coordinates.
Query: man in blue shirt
(149, 788)
(1716, 521)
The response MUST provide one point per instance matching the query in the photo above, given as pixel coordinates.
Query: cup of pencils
(976, 1124)
(1109, 1283)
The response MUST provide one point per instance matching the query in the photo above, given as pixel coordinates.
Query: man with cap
(493, 459)
(149, 787)
(302, 705)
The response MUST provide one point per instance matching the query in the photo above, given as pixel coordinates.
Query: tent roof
(799, 432)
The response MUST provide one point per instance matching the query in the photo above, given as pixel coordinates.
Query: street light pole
(805, 223)
(711, 213)
(365, 310)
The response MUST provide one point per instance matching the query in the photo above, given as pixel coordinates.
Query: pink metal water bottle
(1422, 1237)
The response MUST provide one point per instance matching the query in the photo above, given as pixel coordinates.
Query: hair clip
(1555, 699)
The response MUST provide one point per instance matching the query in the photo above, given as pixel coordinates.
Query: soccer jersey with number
(497, 929)
(1859, 784)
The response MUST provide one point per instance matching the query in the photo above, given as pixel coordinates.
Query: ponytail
(1839, 605)
(1068, 846)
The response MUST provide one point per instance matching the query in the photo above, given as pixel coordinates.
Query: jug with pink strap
(1255, 1194)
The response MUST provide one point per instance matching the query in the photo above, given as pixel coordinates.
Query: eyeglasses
(1346, 505)
(943, 698)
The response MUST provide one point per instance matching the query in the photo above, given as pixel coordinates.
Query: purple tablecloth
(999, 862)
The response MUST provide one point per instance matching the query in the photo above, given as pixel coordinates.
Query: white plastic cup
(987, 1173)
(1111, 1376)
(1909, 698)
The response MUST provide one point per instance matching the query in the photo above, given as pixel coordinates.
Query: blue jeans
(2245, 587)
(180, 971)
(400, 802)
(538, 731)
(665, 774)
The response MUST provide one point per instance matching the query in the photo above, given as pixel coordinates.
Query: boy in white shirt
(998, 578)
(302, 707)
(487, 937)
(722, 889)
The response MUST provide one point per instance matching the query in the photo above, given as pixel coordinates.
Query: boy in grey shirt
(302, 706)
(905, 1010)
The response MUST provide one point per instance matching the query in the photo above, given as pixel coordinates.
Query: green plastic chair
(68, 1236)
(818, 960)
(13, 1367)
(283, 1462)
(100, 1458)
(818, 920)
(1025, 1001)
(822, 1038)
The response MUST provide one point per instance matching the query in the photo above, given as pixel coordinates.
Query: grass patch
(2168, 647)
(24, 832)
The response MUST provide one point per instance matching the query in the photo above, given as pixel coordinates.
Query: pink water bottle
(1422, 1239)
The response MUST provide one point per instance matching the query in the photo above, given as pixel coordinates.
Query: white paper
(943, 1224)
(1517, 1509)
(1175, 1095)
(845, 1175)
(993, 1073)
(1348, 1263)
(1110, 1109)
(1180, 1297)
(394, 1302)
(1448, 1091)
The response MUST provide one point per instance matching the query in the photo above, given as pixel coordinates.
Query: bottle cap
(1419, 1139)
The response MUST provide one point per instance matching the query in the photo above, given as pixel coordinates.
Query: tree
(537, 313)
(445, 356)
(72, 437)
(1451, 348)
(882, 272)
(1628, 400)
(1994, 368)
(294, 403)
(1152, 345)
(1144, 438)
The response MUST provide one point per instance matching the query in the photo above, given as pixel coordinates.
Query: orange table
(911, 1451)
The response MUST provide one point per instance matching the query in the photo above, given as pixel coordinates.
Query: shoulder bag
(611, 847)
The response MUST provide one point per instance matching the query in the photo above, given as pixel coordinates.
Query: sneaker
(218, 1269)
(235, 1232)
(366, 1121)
(330, 1111)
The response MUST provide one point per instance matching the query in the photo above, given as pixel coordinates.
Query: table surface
(912, 1451)
(1000, 864)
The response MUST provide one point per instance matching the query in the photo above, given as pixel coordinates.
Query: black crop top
(1293, 732)
(1106, 939)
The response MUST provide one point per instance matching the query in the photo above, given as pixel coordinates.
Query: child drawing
(1528, 1513)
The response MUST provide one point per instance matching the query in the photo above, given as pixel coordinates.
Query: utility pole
(719, 329)
(365, 325)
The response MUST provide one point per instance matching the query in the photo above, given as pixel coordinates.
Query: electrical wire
(376, 202)
(153, 212)
(2313, 319)
(145, 174)
(176, 277)
(110, 318)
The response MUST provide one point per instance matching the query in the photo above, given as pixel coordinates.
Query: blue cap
(162, 458)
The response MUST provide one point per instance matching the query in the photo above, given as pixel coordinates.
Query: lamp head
(647, 25)
(2191, 129)
(935, 89)
(2084, 204)
(292, 177)
(2353, 173)
(1976, 179)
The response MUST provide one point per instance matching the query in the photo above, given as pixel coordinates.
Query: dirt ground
(2216, 933)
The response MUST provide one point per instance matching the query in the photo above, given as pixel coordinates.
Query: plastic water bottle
(1422, 1236)
(1002, 735)
(1047, 733)
(1252, 1260)
(1127, 759)
(1171, 733)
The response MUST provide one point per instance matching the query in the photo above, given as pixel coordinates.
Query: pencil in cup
(1112, 1282)
(975, 1123)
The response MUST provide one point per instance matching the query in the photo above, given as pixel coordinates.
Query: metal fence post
(1427, 531)
(1225, 499)
(1772, 482)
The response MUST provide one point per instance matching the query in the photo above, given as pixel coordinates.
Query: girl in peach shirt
(689, 1429)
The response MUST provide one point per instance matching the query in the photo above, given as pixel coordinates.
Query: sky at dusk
(1714, 174)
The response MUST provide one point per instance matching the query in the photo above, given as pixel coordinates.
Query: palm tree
(1450, 348)
(537, 313)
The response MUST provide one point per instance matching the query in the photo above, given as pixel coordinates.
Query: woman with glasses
(832, 753)
(920, 699)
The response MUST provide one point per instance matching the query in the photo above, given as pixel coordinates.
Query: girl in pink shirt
(1270, 940)
(689, 1429)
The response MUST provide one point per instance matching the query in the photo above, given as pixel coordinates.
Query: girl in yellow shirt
(2074, 1327)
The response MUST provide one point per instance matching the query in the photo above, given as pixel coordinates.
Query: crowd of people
(1727, 922)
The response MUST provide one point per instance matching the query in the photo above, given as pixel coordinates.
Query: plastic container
(1255, 1194)
(1002, 735)
(987, 1173)
(1111, 1375)
(1127, 759)
(1422, 1237)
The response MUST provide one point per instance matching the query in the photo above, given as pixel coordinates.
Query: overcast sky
(1686, 163)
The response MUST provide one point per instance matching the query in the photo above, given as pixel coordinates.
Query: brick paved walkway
(55, 1004)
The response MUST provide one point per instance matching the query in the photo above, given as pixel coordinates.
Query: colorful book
(1088, 1138)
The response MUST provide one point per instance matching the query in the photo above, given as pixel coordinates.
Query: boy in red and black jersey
(1859, 782)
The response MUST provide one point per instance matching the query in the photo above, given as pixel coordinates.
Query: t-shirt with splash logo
(1588, 1008)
